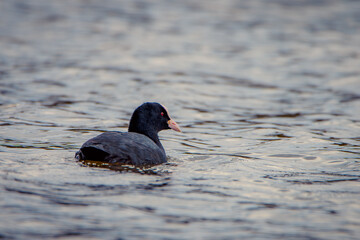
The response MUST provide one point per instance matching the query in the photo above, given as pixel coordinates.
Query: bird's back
(122, 147)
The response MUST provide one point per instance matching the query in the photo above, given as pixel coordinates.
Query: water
(266, 93)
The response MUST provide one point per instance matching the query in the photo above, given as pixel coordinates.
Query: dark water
(266, 92)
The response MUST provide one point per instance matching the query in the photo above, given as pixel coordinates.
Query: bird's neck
(153, 135)
(155, 138)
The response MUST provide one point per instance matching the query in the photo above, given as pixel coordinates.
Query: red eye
(162, 113)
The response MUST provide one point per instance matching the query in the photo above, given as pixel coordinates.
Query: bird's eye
(162, 113)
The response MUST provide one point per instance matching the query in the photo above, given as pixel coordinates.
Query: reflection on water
(121, 167)
(266, 94)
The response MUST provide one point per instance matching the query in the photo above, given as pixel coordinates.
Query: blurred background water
(266, 93)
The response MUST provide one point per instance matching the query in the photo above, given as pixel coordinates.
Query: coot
(139, 146)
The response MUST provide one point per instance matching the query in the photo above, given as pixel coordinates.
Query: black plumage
(139, 146)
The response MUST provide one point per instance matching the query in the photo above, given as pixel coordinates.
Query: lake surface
(267, 94)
